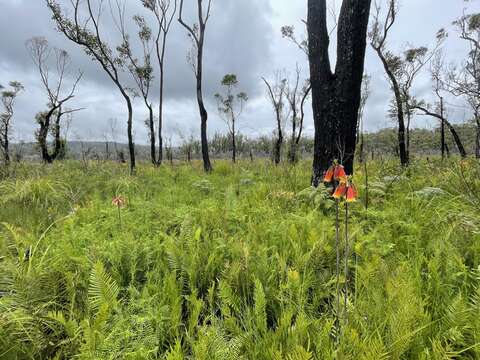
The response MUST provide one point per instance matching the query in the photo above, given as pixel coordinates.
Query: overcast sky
(243, 37)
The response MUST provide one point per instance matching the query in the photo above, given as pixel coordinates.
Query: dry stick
(119, 217)
(337, 245)
(345, 295)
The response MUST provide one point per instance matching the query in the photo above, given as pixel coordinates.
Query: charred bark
(336, 96)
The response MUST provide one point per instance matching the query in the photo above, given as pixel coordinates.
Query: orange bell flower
(340, 174)
(346, 190)
(340, 191)
(352, 193)
(335, 172)
(329, 174)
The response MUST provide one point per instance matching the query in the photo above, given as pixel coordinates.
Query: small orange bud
(118, 201)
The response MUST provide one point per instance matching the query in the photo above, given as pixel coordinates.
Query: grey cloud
(243, 37)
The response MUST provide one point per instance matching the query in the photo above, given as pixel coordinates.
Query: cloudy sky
(243, 37)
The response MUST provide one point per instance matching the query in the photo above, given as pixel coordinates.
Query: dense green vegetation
(238, 264)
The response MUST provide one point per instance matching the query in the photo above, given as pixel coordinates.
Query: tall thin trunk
(293, 149)
(160, 118)
(161, 61)
(6, 150)
(409, 120)
(402, 144)
(152, 133)
(442, 131)
(477, 138)
(131, 145)
(207, 166)
(58, 146)
(234, 144)
(277, 152)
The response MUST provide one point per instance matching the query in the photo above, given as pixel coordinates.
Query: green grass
(239, 264)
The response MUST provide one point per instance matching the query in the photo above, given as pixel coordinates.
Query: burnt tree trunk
(131, 145)
(293, 147)
(402, 144)
(302, 115)
(407, 143)
(234, 143)
(207, 166)
(151, 129)
(59, 146)
(277, 151)
(43, 134)
(477, 138)
(336, 96)
(6, 151)
(442, 139)
(160, 105)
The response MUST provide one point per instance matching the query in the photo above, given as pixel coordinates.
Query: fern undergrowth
(238, 264)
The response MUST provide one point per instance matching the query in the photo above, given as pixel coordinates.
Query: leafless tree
(82, 26)
(8, 98)
(437, 110)
(164, 11)
(361, 116)
(276, 96)
(197, 34)
(58, 94)
(288, 32)
(465, 81)
(295, 96)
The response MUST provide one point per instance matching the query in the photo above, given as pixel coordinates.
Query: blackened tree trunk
(160, 116)
(477, 138)
(197, 32)
(234, 142)
(152, 134)
(131, 145)
(336, 96)
(402, 144)
(442, 139)
(44, 120)
(302, 114)
(277, 151)
(201, 106)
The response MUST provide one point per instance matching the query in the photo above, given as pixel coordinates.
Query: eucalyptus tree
(141, 70)
(276, 95)
(230, 107)
(401, 71)
(288, 32)
(164, 12)
(465, 81)
(8, 98)
(336, 95)
(196, 33)
(80, 22)
(58, 94)
(296, 95)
